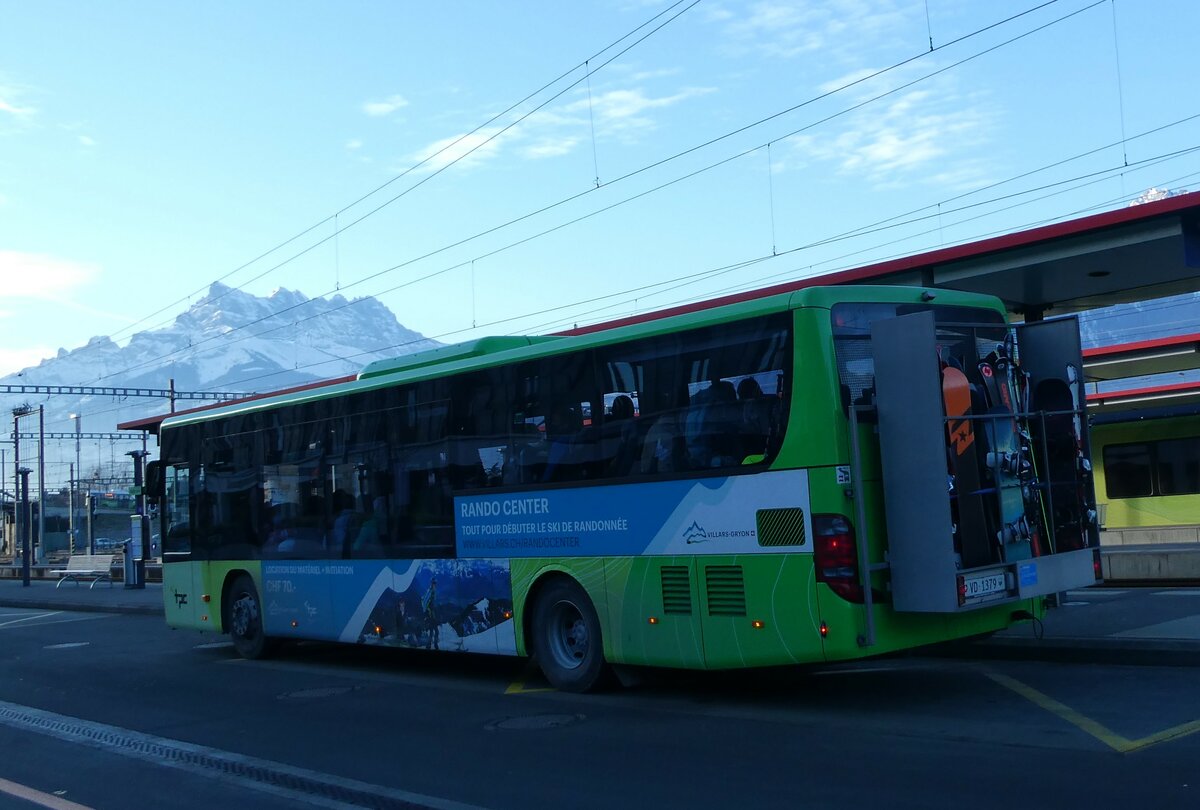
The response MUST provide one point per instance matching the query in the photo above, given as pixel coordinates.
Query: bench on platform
(96, 567)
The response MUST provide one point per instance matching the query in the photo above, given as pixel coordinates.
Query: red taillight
(1097, 568)
(835, 555)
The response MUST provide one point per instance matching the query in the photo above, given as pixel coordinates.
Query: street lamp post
(78, 417)
(19, 520)
(40, 548)
(26, 524)
(142, 541)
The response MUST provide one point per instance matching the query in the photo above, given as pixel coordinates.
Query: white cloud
(656, 74)
(552, 133)
(550, 147)
(903, 139)
(618, 105)
(843, 81)
(785, 29)
(387, 106)
(12, 109)
(35, 275)
(85, 140)
(467, 150)
(353, 144)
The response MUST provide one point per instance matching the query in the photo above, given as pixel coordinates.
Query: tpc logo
(695, 534)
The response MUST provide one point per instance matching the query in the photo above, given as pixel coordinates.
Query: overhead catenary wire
(690, 150)
(884, 225)
(446, 148)
(572, 319)
(676, 156)
(644, 289)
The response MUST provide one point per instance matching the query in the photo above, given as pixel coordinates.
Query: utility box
(985, 461)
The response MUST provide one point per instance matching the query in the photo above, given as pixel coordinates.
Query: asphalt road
(114, 711)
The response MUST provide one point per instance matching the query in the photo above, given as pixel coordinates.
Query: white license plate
(985, 585)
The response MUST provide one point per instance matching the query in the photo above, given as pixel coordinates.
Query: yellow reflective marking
(1105, 735)
(519, 687)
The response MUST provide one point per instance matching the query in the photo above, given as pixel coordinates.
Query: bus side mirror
(154, 480)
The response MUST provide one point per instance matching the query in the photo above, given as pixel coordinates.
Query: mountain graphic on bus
(695, 534)
(445, 605)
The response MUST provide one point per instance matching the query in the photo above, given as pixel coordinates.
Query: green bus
(747, 485)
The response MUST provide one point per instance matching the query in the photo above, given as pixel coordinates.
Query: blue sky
(148, 149)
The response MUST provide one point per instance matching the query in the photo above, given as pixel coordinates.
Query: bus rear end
(963, 492)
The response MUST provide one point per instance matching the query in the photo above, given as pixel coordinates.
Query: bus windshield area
(957, 344)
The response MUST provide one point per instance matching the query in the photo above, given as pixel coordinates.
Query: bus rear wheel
(566, 638)
(245, 619)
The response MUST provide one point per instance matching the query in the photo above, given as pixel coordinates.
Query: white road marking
(37, 797)
(28, 617)
(1186, 628)
(79, 618)
(276, 778)
(66, 645)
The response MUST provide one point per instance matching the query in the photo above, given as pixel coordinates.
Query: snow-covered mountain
(229, 340)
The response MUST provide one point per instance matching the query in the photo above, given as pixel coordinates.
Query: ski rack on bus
(937, 562)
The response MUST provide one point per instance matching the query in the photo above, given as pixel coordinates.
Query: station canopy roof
(1142, 358)
(1116, 257)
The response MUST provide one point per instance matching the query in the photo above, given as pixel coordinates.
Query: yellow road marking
(519, 688)
(1105, 735)
(39, 798)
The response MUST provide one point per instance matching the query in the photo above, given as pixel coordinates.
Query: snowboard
(1006, 457)
(971, 523)
(1060, 464)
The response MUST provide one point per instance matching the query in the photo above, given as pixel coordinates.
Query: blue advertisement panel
(698, 516)
(432, 604)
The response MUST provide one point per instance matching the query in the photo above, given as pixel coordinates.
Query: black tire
(566, 638)
(244, 619)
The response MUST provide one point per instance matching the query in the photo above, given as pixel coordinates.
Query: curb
(1120, 651)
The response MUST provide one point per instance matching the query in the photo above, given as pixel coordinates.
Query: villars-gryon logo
(695, 534)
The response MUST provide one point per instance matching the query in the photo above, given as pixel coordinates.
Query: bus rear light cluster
(1097, 568)
(962, 590)
(835, 555)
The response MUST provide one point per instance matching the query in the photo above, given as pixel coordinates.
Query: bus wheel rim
(244, 615)
(569, 638)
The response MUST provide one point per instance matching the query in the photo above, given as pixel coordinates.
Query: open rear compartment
(985, 461)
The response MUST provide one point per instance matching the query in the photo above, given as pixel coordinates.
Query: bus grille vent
(726, 590)
(676, 589)
(780, 527)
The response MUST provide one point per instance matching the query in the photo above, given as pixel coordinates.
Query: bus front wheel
(245, 619)
(567, 641)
